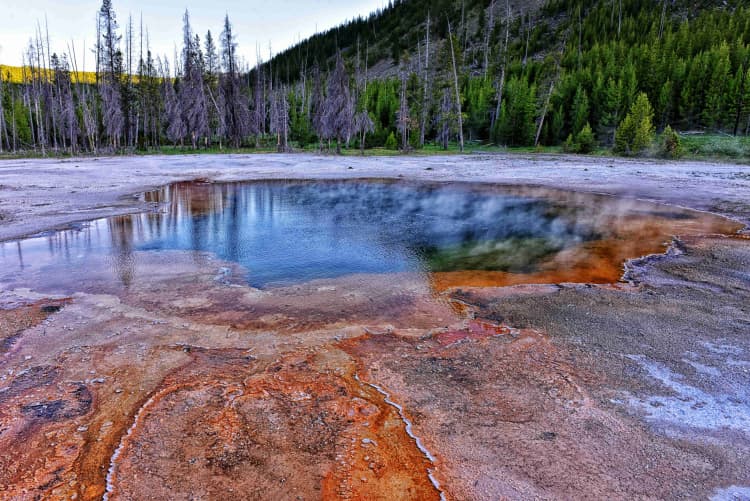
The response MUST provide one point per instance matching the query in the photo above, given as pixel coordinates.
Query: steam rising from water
(286, 232)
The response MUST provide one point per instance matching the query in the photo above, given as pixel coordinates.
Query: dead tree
(445, 119)
(110, 57)
(458, 92)
(279, 123)
(426, 84)
(552, 84)
(235, 105)
(338, 109)
(65, 109)
(176, 129)
(257, 116)
(403, 115)
(86, 101)
(192, 94)
(363, 125)
(318, 107)
(3, 127)
(488, 32)
(504, 53)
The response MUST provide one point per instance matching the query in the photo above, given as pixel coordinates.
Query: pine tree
(636, 132)
(670, 144)
(610, 110)
(516, 125)
(714, 113)
(585, 142)
(580, 110)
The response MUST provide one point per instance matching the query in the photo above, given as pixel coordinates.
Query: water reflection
(297, 231)
(294, 231)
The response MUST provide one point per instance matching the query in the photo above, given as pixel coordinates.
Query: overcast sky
(280, 22)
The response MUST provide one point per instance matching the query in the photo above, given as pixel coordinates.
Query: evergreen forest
(578, 74)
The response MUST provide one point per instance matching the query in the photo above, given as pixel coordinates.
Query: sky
(278, 22)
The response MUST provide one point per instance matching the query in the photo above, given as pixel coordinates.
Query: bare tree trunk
(26, 96)
(15, 132)
(37, 97)
(558, 62)
(425, 78)
(501, 83)
(528, 36)
(663, 16)
(490, 27)
(461, 31)
(458, 93)
(47, 85)
(403, 113)
(580, 38)
(740, 98)
(3, 127)
(544, 113)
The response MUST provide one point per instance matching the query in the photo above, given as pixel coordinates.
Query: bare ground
(188, 386)
(37, 195)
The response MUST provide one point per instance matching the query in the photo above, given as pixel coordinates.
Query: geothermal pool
(287, 232)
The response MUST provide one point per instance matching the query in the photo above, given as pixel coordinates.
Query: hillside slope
(541, 71)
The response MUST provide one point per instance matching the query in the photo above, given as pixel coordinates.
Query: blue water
(285, 232)
(291, 231)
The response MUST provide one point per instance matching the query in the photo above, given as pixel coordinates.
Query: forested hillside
(577, 73)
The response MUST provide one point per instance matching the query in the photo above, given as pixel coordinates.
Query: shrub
(569, 145)
(585, 141)
(670, 146)
(391, 143)
(636, 131)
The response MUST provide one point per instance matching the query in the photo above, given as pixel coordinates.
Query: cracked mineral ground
(285, 329)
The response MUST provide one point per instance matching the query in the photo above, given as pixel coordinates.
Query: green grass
(694, 147)
(715, 146)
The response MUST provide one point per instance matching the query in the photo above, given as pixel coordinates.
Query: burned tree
(338, 108)
(457, 89)
(235, 104)
(109, 60)
(280, 119)
(363, 125)
(192, 95)
(403, 115)
(3, 127)
(318, 107)
(176, 129)
(64, 105)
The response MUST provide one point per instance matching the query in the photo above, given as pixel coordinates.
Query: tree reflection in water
(456, 234)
